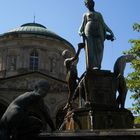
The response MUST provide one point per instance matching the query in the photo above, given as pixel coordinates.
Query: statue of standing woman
(94, 31)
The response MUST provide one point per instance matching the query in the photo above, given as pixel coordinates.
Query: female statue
(94, 31)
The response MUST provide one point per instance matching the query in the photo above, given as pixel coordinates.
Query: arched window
(34, 60)
(53, 63)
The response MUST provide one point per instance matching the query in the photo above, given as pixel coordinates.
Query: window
(12, 62)
(34, 60)
(53, 64)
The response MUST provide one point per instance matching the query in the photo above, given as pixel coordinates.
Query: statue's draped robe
(94, 29)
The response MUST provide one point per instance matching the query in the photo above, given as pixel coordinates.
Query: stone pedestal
(109, 134)
(102, 112)
(100, 87)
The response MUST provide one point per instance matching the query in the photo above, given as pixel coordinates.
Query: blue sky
(64, 18)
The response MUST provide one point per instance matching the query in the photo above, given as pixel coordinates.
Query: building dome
(37, 29)
(32, 47)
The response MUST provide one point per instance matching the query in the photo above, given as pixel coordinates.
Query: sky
(64, 18)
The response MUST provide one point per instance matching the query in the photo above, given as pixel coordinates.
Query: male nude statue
(72, 76)
(17, 113)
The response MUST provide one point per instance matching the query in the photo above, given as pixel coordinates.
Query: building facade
(28, 54)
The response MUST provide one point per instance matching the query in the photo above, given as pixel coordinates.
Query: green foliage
(137, 120)
(133, 79)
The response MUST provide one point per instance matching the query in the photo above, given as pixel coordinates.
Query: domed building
(28, 54)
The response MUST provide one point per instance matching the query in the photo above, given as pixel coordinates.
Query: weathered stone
(88, 119)
(100, 88)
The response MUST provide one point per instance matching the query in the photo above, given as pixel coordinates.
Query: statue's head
(89, 3)
(129, 57)
(42, 87)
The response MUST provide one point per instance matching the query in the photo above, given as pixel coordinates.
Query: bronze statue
(18, 114)
(119, 67)
(94, 31)
(72, 76)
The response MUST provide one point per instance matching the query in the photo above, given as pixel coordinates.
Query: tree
(133, 79)
(137, 122)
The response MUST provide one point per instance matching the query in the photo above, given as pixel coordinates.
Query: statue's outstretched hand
(110, 37)
(81, 46)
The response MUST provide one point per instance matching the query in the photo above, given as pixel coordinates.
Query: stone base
(100, 88)
(117, 134)
(87, 119)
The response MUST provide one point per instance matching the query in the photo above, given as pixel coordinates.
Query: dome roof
(35, 28)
